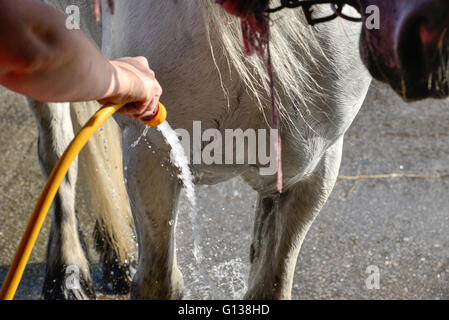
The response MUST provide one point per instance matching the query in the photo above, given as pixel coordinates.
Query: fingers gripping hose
(37, 219)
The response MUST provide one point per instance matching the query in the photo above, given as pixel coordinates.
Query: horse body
(201, 66)
(189, 63)
(196, 52)
(326, 86)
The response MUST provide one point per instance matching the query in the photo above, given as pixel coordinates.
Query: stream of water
(179, 159)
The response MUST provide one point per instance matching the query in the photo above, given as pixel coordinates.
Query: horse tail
(101, 183)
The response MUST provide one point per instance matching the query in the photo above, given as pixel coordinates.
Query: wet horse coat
(321, 84)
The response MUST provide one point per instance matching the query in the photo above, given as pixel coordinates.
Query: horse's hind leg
(281, 225)
(66, 257)
(101, 170)
(153, 192)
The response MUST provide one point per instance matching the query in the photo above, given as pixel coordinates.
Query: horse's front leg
(281, 225)
(67, 273)
(153, 191)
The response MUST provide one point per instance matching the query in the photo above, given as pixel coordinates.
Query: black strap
(306, 5)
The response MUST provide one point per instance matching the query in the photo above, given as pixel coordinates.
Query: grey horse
(196, 50)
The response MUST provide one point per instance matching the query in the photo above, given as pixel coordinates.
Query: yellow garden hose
(51, 188)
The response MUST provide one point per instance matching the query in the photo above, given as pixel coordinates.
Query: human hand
(135, 85)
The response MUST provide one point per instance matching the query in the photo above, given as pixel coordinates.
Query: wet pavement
(398, 224)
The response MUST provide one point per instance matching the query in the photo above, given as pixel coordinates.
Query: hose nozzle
(158, 117)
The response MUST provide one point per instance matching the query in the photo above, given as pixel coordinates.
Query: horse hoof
(67, 286)
(117, 274)
(117, 278)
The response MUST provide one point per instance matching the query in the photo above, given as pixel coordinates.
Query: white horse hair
(196, 52)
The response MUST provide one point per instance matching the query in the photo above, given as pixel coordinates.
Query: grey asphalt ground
(398, 224)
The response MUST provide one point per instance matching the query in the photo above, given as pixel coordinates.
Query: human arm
(42, 59)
